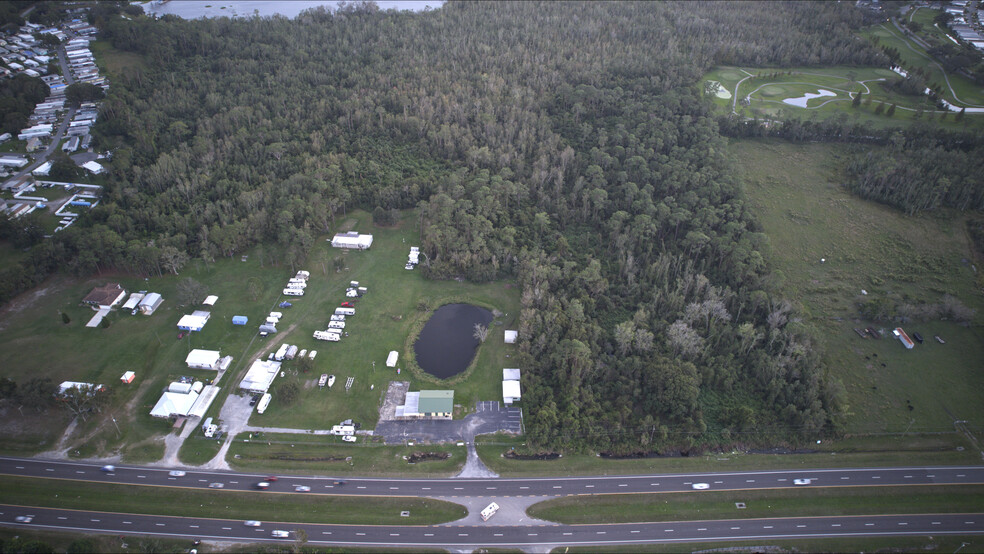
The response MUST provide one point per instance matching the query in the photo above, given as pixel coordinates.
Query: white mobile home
(352, 239)
(203, 359)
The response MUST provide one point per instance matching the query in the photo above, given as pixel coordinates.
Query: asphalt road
(537, 486)
(491, 535)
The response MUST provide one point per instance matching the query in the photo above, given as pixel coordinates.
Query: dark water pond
(446, 346)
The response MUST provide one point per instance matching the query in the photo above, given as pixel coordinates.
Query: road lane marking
(361, 487)
(556, 486)
(532, 534)
(568, 534)
(428, 534)
(193, 526)
(844, 478)
(394, 534)
(749, 480)
(95, 520)
(869, 524)
(653, 484)
(717, 482)
(907, 476)
(931, 475)
(426, 488)
(961, 475)
(498, 534)
(234, 482)
(323, 532)
(801, 526)
(48, 469)
(80, 472)
(767, 527)
(224, 528)
(521, 488)
(160, 524)
(62, 517)
(394, 488)
(702, 528)
(585, 486)
(968, 523)
(835, 524)
(18, 467)
(462, 534)
(876, 476)
(361, 534)
(490, 488)
(735, 528)
(141, 476)
(128, 523)
(636, 531)
(621, 485)
(903, 523)
(459, 488)
(600, 532)
(936, 523)
(783, 480)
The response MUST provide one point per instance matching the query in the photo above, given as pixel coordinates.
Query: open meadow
(397, 303)
(829, 245)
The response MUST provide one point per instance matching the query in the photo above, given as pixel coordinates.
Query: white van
(489, 511)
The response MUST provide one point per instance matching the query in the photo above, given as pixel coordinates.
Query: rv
(281, 352)
(323, 380)
(343, 430)
(264, 403)
(328, 336)
(336, 325)
(338, 318)
(489, 511)
(291, 353)
(344, 311)
(293, 292)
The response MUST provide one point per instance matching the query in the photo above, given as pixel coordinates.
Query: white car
(302, 488)
(349, 438)
(24, 519)
(108, 469)
(277, 533)
(176, 473)
(801, 481)
(216, 485)
(252, 523)
(700, 486)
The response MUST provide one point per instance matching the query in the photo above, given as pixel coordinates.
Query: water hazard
(446, 346)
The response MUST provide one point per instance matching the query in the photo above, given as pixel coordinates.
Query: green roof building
(436, 403)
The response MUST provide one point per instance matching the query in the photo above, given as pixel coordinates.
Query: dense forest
(566, 145)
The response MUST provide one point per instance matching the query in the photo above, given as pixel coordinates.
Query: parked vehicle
(918, 337)
(348, 305)
(349, 438)
(176, 473)
(284, 304)
(331, 380)
(489, 511)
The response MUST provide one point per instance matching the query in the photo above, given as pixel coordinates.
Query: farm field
(821, 93)
(397, 301)
(795, 192)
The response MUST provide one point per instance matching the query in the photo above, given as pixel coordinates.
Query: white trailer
(291, 353)
(281, 352)
(342, 430)
(328, 336)
(344, 311)
(336, 325)
(293, 292)
(264, 403)
(489, 511)
(338, 318)
(303, 275)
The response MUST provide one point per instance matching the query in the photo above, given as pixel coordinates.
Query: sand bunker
(719, 91)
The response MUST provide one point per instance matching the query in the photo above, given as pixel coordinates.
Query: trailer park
(174, 369)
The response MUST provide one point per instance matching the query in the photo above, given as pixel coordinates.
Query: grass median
(227, 504)
(805, 502)
(971, 543)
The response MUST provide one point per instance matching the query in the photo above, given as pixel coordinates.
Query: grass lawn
(328, 455)
(946, 543)
(818, 501)
(769, 88)
(149, 345)
(85, 542)
(851, 451)
(227, 504)
(795, 192)
(115, 62)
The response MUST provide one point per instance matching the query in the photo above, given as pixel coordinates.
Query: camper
(303, 275)
(342, 430)
(323, 380)
(300, 286)
(272, 321)
(293, 292)
(325, 335)
(336, 325)
(291, 353)
(281, 352)
(338, 318)
(302, 282)
(489, 511)
(264, 403)
(344, 311)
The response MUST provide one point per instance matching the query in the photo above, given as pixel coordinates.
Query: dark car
(252, 401)
(339, 483)
(918, 337)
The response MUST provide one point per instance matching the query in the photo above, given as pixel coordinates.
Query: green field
(227, 504)
(769, 88)
(328, 455)
(851, 451)
(817, 501)
(386, 320)
(796, 192)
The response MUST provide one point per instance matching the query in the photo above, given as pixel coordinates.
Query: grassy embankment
(796, 192)
(227, 504)
(860, 451)
(946, 544)
(327, 455)
(767, 92)
(815, 501)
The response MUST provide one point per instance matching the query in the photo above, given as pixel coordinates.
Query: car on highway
(216, 485)
(272, 478)
(700, 486)
(338, 483)
(176, 473)
(107, 469)
(349, 438)
(262, 485)
(252, 523)
(302, 488)
(24, 519)
(801, 481)
(277, 533)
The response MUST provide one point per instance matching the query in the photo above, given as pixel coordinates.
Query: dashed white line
(749, 480)
(521, 488)
(95, 520)
(735, 528)
(844, 478)
(428, 534)
(459, 488)
(907, 477)
(394, 488)
(931, 475)
(718, 482)
(801, 526)
(876, 476)
(62, 517)
(159, 524)
(636, 531)
(80, 472)
(224, 528)
(234, 482)
(19, 467)
(48, 469)
(490, 488)
(127, 523)
(425, 488)
(903, 523)
(361, 487)
(141, 476)
(556, 486)
(394, 534)
(532, 534)
(568, 534)
(702, 528)
(783, 480)
(653, 484)
(323, 532)
(498, 534)
(462, 534)
(361, 534)
(767, 527)
(585, 486)
(835, 524)
(193, 526)
(869, 524)
(620, 484)
(936, 523)
(600, 533)
(968, 523)
(961, 475)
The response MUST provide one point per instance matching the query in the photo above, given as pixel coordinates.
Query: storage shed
(239, 320)
(510, 336)
(203, 359)
(391, 359)
(150, 303)
(128, 377)
(510, 385)
(352, 239)
(210, 300)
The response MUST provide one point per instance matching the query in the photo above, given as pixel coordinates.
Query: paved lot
(489, 417)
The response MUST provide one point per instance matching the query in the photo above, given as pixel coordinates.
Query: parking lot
(489, 417)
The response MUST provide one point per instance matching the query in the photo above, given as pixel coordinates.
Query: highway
(492, 535)
(534, 486)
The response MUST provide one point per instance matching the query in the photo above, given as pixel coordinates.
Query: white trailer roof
(203, 358)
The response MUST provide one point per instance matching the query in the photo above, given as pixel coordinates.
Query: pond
(802, 100)
(446, 346)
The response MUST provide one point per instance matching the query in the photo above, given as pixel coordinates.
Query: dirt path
(23, 301)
